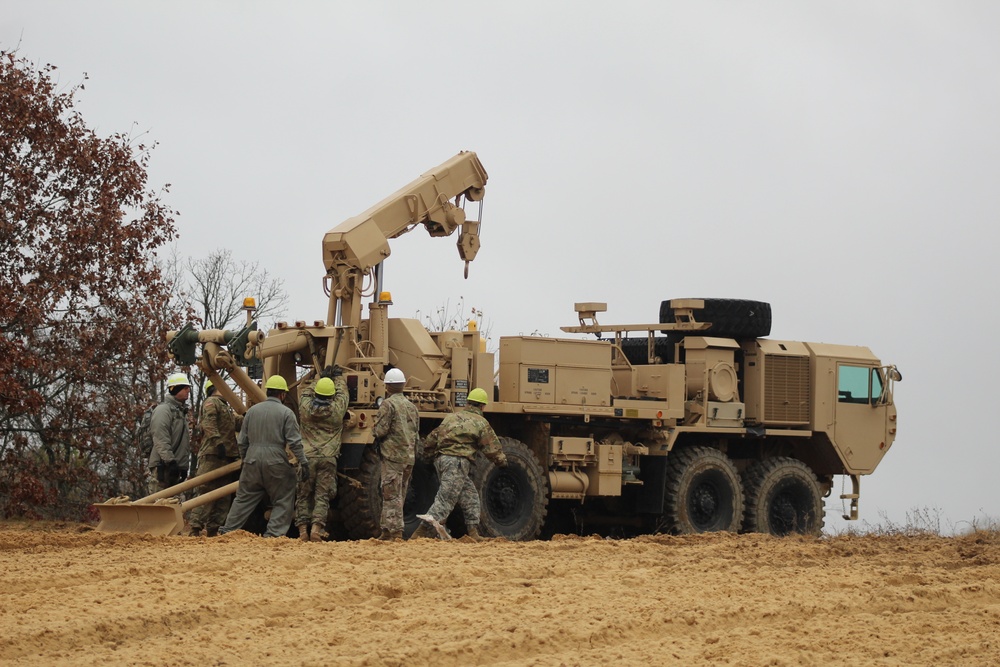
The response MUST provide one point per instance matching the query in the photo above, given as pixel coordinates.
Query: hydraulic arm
(353, 249)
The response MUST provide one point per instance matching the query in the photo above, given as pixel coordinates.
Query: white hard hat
(178, 380)
(395, 376)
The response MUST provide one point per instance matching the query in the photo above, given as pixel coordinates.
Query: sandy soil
(71, 596)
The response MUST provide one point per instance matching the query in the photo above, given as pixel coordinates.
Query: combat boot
(303, 532)
(195, 532)
(390, 535)
(436, 525)
(318, 533)
(424, 530)
(473, 533)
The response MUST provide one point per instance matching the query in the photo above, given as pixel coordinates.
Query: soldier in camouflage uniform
(218, 448)
(321, 419)
(453, 445)
(396, 431)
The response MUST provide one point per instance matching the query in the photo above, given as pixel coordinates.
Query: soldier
(268, 428)
(169, 459)
(321, 418)
(218, 448)
(396, 431)
(453, 445)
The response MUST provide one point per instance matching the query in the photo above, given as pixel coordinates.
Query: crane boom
(356, 246)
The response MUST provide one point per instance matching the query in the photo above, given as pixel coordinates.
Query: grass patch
(922, 521)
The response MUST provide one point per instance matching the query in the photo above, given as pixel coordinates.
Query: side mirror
(894, 374)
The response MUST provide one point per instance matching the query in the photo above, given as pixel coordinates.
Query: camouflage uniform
(321, 419)
(267, 428)
(171, 440)
(218, 448)
(396, 431)
(453, 445)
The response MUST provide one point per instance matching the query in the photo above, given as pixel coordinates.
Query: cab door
(861, 416)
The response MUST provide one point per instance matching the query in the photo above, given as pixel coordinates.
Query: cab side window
(858, 384)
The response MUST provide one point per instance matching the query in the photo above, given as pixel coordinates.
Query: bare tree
(214, 287)
(219, 284)
(454, 317)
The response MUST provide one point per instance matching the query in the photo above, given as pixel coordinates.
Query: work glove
(183, 475)
(173, 473)
(302, 474)
(161, 473)
(332, 371)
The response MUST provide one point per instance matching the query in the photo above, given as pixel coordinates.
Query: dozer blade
(123, 518)
(129, 517)
(162, 518)
(167, 518)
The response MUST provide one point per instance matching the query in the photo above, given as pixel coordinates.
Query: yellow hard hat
(477, 395)
(205, 387)
(276, 382)
(325, 387)
(178, 380)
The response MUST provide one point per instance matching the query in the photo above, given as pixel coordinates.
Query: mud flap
(653, 492)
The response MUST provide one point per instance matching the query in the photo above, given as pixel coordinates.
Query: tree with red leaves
(83, 313)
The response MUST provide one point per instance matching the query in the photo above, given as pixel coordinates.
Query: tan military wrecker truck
(697, 422)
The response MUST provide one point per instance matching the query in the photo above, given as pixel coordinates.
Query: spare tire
(730, 318)
(636, 349)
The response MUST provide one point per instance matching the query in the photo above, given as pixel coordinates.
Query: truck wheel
(703, 491)
(783, 497)
(730, 318)
(361, 508)
(419, 495)
(514, 499)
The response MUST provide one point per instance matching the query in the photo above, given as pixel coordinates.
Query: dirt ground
(72, 596)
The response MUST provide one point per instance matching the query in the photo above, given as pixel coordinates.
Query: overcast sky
(838, 160)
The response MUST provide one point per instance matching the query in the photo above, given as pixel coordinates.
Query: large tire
(419, 495)
(361, 507)
(704, 493)
(783, 497)
(730, 318)
(514, 499)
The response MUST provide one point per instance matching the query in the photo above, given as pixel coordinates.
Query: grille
(786, 390)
